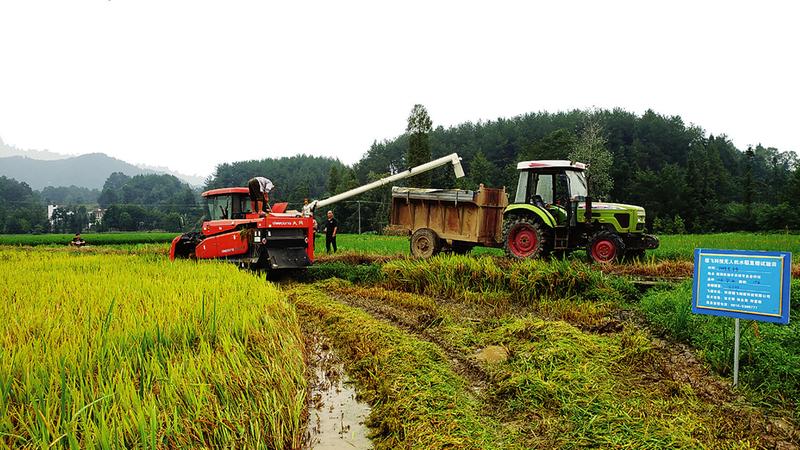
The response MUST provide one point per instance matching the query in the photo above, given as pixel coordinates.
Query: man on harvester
(259, 193)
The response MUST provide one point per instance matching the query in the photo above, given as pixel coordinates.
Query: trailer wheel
(605, 247)
(425, 243)
(524, 238)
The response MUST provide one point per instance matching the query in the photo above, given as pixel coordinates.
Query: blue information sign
(742, 284)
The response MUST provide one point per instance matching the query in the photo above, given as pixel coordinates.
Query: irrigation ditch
(487, 353)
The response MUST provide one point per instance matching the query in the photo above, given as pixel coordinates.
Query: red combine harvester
(280, 240)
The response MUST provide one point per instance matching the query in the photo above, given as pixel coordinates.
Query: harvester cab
(230, 203)
(553, 212)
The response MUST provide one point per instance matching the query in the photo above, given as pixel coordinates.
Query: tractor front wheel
(425, 243)
(524, 238)
(605, 247)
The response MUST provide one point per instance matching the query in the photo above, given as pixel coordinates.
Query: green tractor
(553, 214)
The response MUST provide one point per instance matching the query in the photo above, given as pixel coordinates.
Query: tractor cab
(228, 204)
(557, 187)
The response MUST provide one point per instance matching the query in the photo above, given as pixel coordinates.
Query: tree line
(687, 180)
(141, 202)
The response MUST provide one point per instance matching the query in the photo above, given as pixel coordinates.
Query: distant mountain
(44, 155)
(89, 171)
(40, 168)
(192, 180)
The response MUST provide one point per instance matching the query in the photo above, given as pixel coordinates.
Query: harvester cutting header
(280, 239)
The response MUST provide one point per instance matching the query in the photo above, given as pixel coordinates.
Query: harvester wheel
(524, 238)
(605, 247)
(425, 243)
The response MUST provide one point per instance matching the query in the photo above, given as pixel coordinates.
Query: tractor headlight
(640, 218)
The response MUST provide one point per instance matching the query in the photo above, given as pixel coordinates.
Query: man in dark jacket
(331, 226)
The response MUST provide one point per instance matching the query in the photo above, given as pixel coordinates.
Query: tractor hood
(624, 218)
(613, 207)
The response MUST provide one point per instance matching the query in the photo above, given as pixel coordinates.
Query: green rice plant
(526, 281)
(359, 273)
(104, 350)
(769, 355)
(148, 250)
(365, 243)
(115, 238)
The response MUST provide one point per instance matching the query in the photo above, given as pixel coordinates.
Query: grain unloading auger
(279, 240)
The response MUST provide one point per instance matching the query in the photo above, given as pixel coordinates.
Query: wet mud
(336, 417)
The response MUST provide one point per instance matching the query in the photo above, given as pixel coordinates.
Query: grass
(107, 350)
(769, 354)
(682, 246)
(671, 246)
(91, 238)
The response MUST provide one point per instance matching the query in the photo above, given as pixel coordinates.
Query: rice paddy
(117, 351)
(114, 346)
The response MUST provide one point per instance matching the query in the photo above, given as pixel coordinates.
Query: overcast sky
(190, 84)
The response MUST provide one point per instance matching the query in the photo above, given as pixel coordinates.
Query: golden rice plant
(118, 351)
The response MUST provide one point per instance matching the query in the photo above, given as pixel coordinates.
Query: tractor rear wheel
(524, 238)
(605, 247)
(425, 243)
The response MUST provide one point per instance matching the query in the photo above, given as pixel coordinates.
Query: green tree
(555, 145)
(333, 180)
(480, 170)
(590, 148)
(419, 150)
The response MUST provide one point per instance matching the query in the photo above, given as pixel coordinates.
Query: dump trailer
(449, 219)
(281, 239)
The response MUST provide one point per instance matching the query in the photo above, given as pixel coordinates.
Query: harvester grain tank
(280, 239)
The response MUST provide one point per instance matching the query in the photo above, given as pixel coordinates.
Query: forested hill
(659, 162)
(685, 178)
(296, 178)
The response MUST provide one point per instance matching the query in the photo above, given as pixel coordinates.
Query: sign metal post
(736, 354)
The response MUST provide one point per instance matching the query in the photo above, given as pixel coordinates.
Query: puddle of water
(336, 418)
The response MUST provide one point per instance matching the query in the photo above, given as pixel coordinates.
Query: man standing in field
(77, 241)
(259, 193)
(331, 226)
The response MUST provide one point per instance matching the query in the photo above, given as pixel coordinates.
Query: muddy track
(671, 361)
(417, 324)
(669, 365)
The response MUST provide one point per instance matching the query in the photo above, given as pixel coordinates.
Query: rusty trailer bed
(457, 217)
